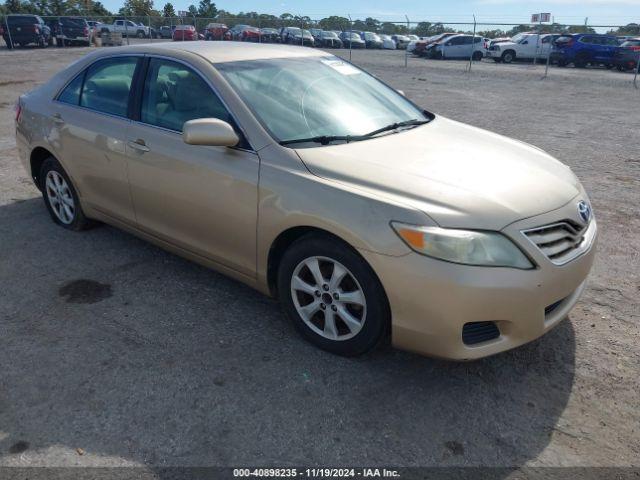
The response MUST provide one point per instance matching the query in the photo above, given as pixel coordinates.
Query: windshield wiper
(395, 126)
(327, 139)
(322, 139)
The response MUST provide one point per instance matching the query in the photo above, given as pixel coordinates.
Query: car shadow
(115, 351)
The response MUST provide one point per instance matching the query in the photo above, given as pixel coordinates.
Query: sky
(599, 12)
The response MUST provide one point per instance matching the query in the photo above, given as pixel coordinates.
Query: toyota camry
(305, 177)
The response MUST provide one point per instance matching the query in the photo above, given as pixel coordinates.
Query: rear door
(90, 121)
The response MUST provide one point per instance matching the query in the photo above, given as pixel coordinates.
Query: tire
(508, 56)
(367, 316)
(497, 60)
(581, 60)
(71, 218)
(140, 34)
(41, 43)
(477, 56)
(562, 63)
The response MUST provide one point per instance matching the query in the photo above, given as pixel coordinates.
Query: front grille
(478, 332)
(560, 242)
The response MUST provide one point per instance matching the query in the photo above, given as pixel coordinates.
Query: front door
(203, 199)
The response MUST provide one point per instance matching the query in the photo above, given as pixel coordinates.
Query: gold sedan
(303, 176)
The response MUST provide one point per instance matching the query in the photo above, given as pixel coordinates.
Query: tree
(193, 11)
(14, 6)
(137, 8)
(207, 9)
(334, 23)
(168, 10)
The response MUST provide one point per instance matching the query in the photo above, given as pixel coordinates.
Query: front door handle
(139, 145)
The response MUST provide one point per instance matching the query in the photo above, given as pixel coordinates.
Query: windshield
(371, 36)
(329, 35)
(316, 96)
(518, 37)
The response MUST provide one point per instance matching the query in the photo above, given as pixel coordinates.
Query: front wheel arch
(287, 238)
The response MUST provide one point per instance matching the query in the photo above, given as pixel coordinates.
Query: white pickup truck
(523, 46)
(127, 28)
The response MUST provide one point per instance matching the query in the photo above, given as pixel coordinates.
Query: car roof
(220, 52)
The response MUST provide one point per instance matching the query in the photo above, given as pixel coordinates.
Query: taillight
(17, 110)
(36, 29)
(635, 48)
(86, 31)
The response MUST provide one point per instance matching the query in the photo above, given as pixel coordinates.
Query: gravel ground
(114, 352)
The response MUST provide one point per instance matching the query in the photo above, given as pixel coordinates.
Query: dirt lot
(162, 362)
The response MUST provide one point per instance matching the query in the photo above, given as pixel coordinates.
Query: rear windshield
(563, 39)
(631, 43)
(23, 20)
(73, 22)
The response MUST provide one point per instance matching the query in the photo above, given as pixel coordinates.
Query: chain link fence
(481, 34)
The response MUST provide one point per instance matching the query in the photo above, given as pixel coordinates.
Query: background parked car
(24, 30)
(401, 41)
(297, 36)
(166, 31)
(352, 40)
(328, 40)
(387, 42)
(244, 33)
(184, 33)
(371, 40)
(316, 33)
(460, 46)
(583, 49)
(126, 28)
(70, 31)
(422, 46)
(628, 55)
(269, 35)
(215, 31)
(524, 46)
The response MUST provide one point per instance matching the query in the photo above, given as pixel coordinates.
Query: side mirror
(448, 44)
(209, 131)
(401, 92)
(526, 42)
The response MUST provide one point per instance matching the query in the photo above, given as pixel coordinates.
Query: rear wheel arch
(37, 158)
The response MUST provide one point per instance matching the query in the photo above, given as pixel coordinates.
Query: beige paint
(224, 207)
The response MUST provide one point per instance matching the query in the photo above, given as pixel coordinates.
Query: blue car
(583, 49)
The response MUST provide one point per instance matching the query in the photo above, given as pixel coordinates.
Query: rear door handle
(139, 145)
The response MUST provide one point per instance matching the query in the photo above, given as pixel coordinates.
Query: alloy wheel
(60, 197)
(328, 298)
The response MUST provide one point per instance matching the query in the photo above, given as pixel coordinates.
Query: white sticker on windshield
(341, 67)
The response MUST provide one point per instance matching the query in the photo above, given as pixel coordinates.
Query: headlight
(467, 247)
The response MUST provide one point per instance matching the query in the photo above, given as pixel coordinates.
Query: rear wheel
(581, 61)
(61, 198)
(140, 34)
(477, 56)
(332, 296)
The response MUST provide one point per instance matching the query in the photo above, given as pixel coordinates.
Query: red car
(215, 31)
(184, 33)
(243, 33)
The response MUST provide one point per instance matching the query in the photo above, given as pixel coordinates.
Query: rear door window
(107, 85)
(71, 94)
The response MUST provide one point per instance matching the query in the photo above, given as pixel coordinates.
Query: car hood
(460, 176)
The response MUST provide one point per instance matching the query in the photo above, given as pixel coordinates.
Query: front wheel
(508, 57)
(61, 198)
(140, 34)
(332, 296)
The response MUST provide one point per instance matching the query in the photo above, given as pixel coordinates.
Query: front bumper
(431, 300)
